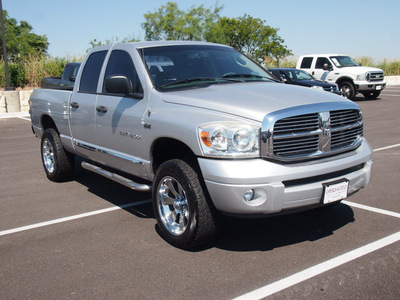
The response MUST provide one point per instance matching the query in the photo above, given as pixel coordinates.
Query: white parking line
(70, 218)
(373, 209)
(23, 118)
(299, 277)
(386, 148)
(294, 279)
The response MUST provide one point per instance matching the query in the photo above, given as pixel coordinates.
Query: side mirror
(72, 78)
(327, 67)
(119, 84)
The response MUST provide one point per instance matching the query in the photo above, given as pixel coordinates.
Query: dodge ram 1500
(206, 130)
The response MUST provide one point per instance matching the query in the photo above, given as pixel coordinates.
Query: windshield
(344, 61)
(188, 66)
(298, 75)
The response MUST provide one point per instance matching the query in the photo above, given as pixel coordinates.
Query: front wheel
(183, 212)
(347, 89)
(57, 162)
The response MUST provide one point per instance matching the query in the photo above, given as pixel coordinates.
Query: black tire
(347, 89)
(57, 162)
(371, 95)
(181, 207)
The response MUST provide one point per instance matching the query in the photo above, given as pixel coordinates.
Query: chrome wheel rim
(173, 206)
(345, 89)
(48, 156)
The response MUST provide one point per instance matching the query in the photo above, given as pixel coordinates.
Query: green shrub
(365, 61)
(390, 67)
(31, 70)
(17, 74)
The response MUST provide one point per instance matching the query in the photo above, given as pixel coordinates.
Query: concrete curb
(392, 80)
(14, 101)
(14, 115)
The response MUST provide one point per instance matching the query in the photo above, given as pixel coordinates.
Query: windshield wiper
(189, 80)
(245, 76)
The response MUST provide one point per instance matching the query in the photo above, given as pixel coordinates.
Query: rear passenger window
(306, 63)
(91, 72)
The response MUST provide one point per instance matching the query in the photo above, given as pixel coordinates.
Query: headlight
(317, 87)
(361, 77)
(229, 139)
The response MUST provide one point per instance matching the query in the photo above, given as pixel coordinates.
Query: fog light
(249, 195)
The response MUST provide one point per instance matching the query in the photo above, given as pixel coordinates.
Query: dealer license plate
(335, 191)
(378, 87)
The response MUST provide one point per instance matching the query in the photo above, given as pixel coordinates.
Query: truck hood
(360, 70)
(252, 100)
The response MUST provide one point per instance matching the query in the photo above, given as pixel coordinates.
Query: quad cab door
(120, 130)
(320, 73)
(82, 107)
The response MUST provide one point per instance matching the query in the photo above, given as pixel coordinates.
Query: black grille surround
(290, 138)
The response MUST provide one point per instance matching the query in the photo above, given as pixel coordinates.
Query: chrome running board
(117, 178)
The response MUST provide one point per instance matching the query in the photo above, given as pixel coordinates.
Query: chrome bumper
(280, 187)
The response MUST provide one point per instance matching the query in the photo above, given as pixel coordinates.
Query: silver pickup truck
(204, 128)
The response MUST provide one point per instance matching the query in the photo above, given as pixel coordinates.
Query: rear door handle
(74, 104)
(101, 109)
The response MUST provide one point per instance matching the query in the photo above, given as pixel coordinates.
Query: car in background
(65, 81)
(302, 78)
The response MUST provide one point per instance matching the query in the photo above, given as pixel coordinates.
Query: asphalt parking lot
(94, 239)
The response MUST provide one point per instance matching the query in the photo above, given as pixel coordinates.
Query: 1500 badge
(131, 135)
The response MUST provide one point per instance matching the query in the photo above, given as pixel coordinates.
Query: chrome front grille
(293, 136)
(311, 135)
(346, 128)
(296, 124)
(375, 76)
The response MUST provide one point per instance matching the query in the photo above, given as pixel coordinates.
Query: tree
(171, 23)
(95, 43)
(251, 36)
(21, 41)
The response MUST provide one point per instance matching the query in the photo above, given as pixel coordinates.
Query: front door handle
(74, 104)
(101, 109)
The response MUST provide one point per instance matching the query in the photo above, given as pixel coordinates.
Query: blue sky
(354, 27)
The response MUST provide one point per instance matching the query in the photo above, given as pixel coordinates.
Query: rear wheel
(372, 95)
(182, 210)
(347, 89)
(57, 162)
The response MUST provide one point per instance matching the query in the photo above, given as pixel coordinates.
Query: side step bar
(117, 178)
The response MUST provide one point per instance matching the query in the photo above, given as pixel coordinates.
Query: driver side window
(120, 63)
(321, 61)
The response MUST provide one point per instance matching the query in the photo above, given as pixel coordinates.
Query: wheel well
(165, 149)
(344, 79)
(47, 122)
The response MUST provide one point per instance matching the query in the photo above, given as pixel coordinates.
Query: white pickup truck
(346, 73)
(205, 129)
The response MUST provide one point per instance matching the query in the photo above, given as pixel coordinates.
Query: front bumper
(281, 187)
(370, 87)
